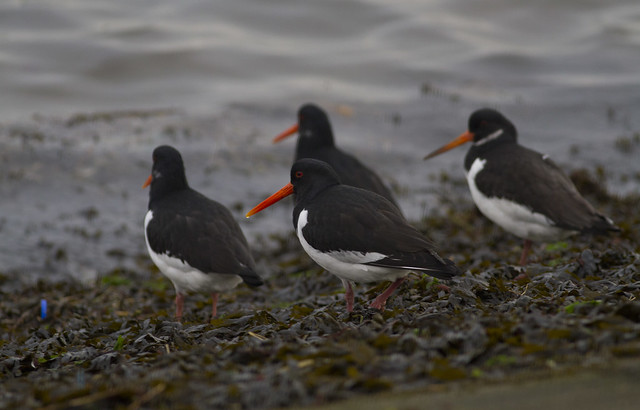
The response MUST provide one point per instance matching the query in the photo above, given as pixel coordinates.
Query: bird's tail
(427, 262)
(602, 225)
(251, 278)
(446, 271)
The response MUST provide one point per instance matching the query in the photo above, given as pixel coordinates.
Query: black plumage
(316, 140)
(508, 171)
(355, 234)
(201, 232)
(527, 177)
(184, 225)
(345, 218)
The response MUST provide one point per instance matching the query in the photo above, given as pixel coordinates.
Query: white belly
(512, 217)
(348, 265)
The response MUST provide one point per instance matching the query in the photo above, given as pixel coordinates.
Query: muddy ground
(113, 343)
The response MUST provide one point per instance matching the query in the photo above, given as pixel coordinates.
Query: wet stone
(630, 311)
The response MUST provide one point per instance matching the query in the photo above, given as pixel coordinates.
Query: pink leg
(214, 303)
(526, 247)
(179, 305)
(381, 300)
(348, 295)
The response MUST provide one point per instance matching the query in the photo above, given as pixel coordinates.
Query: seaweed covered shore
(114, 343)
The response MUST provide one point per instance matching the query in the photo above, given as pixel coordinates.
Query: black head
(488, 125)
(310, 177)
(167, 172)
(314, 128)
(486, 129)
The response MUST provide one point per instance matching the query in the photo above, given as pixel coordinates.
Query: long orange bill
(147, 182)
(463, 138)
(284, 192)
(286, 133)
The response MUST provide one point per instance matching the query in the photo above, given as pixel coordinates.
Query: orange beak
(147, 182)
(463, 138)
(286, 133)
(284, 192)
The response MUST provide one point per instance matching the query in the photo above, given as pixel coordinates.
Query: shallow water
(219, 80)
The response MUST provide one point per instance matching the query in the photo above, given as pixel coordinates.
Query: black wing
(362, 221)
(202, 233)
(535, 180)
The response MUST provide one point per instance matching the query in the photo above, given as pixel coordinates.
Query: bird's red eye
(299, 174)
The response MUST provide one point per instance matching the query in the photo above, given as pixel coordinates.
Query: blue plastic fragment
(43, 308)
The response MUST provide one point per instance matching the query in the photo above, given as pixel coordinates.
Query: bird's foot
(378, 303)
(443, 287)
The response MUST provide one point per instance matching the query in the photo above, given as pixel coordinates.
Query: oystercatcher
(315, 140)
(521, 190)
(193, 240)
(355, 234)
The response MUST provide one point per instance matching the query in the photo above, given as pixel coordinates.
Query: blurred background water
(89, 88)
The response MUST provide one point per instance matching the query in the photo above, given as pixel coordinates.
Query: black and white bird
(315, 140)
(519, 189)
(193, 240)
(355, 234)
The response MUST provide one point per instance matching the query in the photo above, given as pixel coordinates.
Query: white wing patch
(348, 265)
(186, 278)
(510, 216)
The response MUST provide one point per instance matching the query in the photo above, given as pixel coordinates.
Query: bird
(193, 240)
(315, 140)
(519, 189)
(355, 234)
